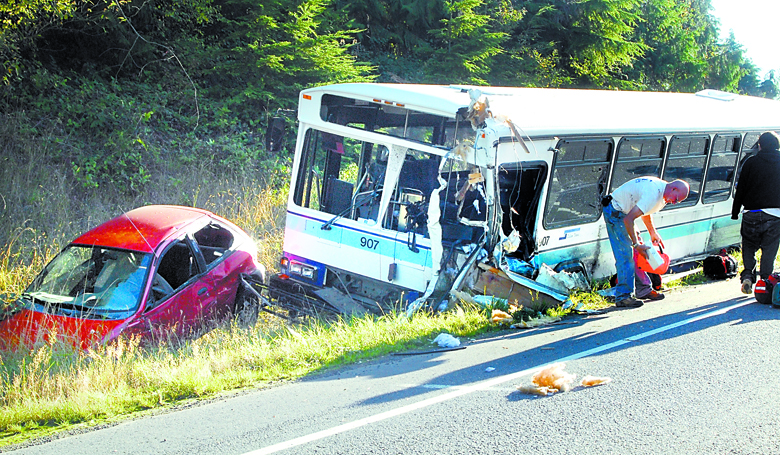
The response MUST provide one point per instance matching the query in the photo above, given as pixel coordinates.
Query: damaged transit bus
(401, 194)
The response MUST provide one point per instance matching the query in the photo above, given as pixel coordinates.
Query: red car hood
(29, 327)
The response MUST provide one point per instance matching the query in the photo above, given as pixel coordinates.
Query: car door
(179, 302)
(223, 264)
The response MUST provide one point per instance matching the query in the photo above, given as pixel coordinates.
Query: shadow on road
(735, 311)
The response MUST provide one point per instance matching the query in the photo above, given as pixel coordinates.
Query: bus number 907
(371, 244)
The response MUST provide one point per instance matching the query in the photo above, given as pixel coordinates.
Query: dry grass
(34, 229)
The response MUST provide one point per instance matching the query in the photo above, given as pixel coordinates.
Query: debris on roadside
(501, 317)
(536, 322)
(513, 286)
(590, 381)
(445, 340)
(499, 311)
(578, 308)
(562, 281)
(553, 379)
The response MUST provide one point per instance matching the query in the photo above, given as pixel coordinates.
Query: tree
(465, 44)
(587, 42)
(24, 24)
(678, 36)
(263, 55)
(726, 66)
(770, 88)
(751, 84)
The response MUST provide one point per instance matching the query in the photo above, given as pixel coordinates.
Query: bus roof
(551, 112)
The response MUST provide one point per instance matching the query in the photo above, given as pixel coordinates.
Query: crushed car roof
(141, 229)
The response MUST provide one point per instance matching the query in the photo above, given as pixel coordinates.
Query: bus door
(410, 180)
(520, 189)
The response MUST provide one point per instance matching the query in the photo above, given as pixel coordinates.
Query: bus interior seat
(367, 204)
(338, 196)
(420, 175)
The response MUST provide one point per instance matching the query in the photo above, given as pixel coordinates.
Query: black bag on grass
(720, 266)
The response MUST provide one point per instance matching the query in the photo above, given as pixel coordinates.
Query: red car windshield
(90, 283)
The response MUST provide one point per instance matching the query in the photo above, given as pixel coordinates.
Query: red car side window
(213, 240)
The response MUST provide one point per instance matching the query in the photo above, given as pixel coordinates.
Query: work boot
(628, 302)
(652, 295)
(747, 286)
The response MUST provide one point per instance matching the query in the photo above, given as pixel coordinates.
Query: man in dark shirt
(757, 192)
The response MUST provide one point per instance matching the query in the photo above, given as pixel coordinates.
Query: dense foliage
(119, 87)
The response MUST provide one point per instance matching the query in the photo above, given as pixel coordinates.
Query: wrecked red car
(161, 273)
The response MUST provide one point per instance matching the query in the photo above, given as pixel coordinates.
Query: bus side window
(749, 148)
(329, 171)
(577, 182)
(720, 174)
(685, 161)
(638, 157)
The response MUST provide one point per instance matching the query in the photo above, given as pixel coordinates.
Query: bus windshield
(345, 177)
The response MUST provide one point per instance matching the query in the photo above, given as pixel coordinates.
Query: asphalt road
(696, 373)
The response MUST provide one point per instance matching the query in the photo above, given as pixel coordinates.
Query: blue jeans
(628, 275)
(760, 231)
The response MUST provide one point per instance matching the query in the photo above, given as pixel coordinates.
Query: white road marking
(448, 386)
(465, 390)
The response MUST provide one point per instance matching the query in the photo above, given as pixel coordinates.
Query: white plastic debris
(445, 340)
(561, 281)
(512, 242)
(475, 203)
(489, 369)
(482, 255)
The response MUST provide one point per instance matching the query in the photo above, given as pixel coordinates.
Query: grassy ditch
(51, 388)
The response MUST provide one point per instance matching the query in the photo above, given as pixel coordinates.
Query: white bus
(399, 191)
